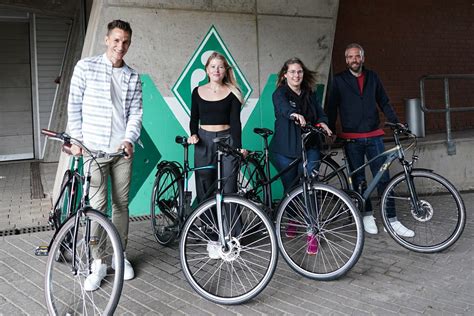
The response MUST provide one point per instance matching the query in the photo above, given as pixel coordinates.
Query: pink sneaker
(312, 247)
(291, 229)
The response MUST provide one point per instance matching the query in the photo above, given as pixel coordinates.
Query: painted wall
(169, 41)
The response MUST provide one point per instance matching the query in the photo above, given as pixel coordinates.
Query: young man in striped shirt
(105, 113)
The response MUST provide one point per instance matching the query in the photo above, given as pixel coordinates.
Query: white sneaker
(369, 225)
(213, 248)
(401, 230)
(128, 272)
(93, 280)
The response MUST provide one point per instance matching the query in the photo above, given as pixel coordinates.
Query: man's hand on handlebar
(76, 150)
(128, 148)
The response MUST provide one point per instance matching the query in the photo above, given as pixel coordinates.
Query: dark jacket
(287, 138)
(358, 113)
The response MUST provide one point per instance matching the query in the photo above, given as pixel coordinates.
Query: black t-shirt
(221, 112)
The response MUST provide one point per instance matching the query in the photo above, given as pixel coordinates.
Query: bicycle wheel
(440, 219)
(322, 245)
(64, 289)
(250, 181)
(166, 197)
(329, 175)
(239, 271)
(61, 210)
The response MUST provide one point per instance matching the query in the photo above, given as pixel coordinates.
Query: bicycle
(228, 248)
(425, 202)
(70, 250)
(312, 212)
(171, 198)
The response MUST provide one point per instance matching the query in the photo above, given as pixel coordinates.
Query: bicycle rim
(328, 175)
(320, 245)
(64, 291)
(166, 198)
(238, 273)
(249, 181)
(441, 216)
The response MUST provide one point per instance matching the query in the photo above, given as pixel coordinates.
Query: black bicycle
(70, 250)
(228, 247)
(319, 229)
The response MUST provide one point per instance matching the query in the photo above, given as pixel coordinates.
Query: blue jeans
(356, 152)
(290, 178)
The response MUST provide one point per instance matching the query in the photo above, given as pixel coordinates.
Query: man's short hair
(125, 26)
(354, 45)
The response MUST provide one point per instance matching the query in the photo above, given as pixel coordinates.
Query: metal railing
(447, 109)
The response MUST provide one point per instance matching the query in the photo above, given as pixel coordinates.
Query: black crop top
(221, 112)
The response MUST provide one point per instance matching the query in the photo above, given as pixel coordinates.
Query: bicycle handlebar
(399, 128)
(66, 139)
(226, 148)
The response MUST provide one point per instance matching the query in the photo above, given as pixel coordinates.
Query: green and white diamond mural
(166, 117)
(194, 73)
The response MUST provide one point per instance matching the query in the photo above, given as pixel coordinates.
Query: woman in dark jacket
(296, 104)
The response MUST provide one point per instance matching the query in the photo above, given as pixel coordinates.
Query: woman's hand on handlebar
(298, 118)
(244, 152)
(193, 139)
(326, 128)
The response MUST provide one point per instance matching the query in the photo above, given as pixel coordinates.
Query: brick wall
(404, 40)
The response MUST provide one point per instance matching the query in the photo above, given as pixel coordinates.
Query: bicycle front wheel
(235, 270)
(64, 285)
(440, 218)
(166, 197)
(322, 241)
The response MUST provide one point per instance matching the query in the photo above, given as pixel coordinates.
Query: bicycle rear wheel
(323, 244)
(64, 289)
(441, 215)
(67, 202)
(241, 270)
(250, 181)
(166, 197)
(329, 175)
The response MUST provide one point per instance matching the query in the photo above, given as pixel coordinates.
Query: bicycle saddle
(264, 132)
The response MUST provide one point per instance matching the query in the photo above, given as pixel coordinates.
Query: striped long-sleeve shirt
(90, 102)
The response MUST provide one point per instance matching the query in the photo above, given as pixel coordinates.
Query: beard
(355, 67)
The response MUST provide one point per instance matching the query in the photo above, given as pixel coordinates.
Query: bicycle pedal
(41, 251)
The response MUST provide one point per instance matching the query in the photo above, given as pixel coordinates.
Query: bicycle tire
(64, 291)
(337, 229)
(166, 202)
(250, 181)
(443, 214)
(61, 211)
(241, 272)
(328, 174)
